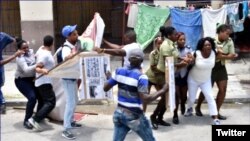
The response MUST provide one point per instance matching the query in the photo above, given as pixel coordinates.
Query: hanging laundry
(240, 10)
(127, 9)
(210, 18)
(132, 16)
(233, 16)
(149, 21)
(188, 22)
(245, 9)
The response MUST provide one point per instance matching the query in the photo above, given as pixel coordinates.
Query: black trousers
(160, 109)
(27, 87)
(49, 101)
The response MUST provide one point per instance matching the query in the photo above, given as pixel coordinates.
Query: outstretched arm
(147, 98)
(12, 57)
(114, 52)
(111, 45)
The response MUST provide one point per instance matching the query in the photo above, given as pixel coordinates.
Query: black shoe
(75, 125)
(27, 125)
(163, 123)
(183, 109)
(154, 122)
(175, 120)
(198, 112)
(68, 135)
(221, 117)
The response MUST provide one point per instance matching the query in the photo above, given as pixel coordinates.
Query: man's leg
(2, 103)
(144, 129)
(49, 99)
(70, 91)
(120, 129)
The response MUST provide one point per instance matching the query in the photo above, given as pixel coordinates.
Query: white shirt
(202, 69)
(45, 57)
(128, 49)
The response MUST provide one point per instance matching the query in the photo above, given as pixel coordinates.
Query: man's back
(130, 82)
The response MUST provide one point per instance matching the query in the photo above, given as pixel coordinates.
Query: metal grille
(80, 13)
(10, 21)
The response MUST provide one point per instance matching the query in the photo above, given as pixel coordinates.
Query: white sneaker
(35, 124)
(216, 122)
(189, 112)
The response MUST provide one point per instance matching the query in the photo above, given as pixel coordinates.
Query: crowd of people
(194, 69)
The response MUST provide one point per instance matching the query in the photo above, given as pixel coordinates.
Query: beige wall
(216, 4)
(179, 3)
(36, 21)
(36, 10)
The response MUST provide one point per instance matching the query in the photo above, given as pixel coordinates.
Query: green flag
(149, 21)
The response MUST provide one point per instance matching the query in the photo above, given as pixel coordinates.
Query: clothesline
(196, 2)
(194, 23)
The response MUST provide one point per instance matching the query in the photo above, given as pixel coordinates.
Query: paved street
(100, 127)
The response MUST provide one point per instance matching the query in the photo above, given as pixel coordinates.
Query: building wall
(177, 3)
(36, 21)
(216, 4)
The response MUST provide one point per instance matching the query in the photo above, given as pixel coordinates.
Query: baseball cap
(68, 29)
(138, 53)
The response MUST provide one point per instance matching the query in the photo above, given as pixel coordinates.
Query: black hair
(223, 28)
(19, 42)
(48, 40)
(131, 34)
(202, 41)
(166, 31)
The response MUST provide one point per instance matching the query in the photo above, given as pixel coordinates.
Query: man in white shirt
(121, 50)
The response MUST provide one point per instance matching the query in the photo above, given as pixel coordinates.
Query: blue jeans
(70, 89)
(27, 87)
(125, 121)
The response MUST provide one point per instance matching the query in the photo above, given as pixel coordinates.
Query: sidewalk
(100, 127)
(238, 72)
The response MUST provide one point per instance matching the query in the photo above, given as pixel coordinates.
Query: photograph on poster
(94, 74)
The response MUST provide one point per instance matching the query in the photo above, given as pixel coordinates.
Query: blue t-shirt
(130, 82)
(5, 39)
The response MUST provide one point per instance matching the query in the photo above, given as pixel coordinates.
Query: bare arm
(41, 70)
(226, 56)
(115, 52)
(111, 45)
(12, 57)
(106, 87)
(147, 98)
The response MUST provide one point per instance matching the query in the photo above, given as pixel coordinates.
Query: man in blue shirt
(5, 39)
(132, 92)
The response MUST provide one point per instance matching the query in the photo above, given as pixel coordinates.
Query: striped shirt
(130, 82)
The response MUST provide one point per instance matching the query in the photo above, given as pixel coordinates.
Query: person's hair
(179, 34)
(166, 31)
(202, 41)
(130, 33)
(19, 42)
(223, 28)
(48, 40)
